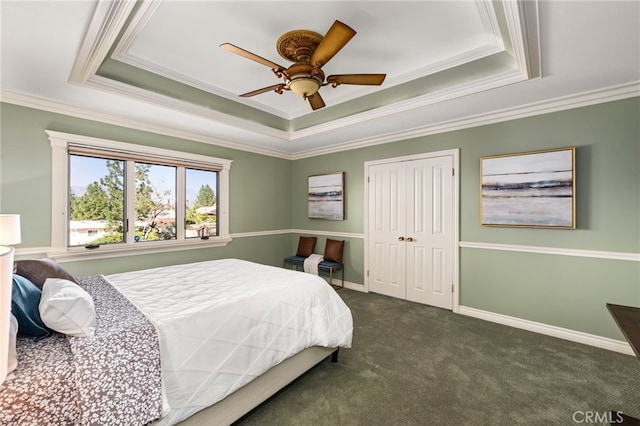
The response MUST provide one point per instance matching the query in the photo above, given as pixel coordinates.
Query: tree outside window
(98, 202)
(128, 198)
(202, 212)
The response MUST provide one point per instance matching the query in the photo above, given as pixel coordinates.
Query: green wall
(269, 194)
(563, 291)
(259, 200)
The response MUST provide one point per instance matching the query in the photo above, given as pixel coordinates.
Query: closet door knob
(409, 239)
(400, 238)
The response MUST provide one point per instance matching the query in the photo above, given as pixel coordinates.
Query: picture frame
(533, 189)
(325, 196)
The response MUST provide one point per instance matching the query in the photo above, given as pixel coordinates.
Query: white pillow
(67, 308)
(13, 355)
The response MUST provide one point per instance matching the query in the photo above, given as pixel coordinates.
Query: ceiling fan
(309, 52)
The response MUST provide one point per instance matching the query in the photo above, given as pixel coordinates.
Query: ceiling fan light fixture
(304, 86)
(309, 52)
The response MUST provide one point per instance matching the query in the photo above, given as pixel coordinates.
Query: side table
(628, 319)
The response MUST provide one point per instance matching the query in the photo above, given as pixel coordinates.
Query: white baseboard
(351, 286)
(550, 330)
(355, 287)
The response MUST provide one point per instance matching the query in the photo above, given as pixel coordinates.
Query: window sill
(121, 250)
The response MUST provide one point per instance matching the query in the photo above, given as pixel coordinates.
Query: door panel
(386, 224)
(433, 239)
(411, 229)
(438, 257)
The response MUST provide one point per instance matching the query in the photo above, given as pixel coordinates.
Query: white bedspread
(222, 323)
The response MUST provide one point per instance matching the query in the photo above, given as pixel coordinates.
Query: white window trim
(59, 185)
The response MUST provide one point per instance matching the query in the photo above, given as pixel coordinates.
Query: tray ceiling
(406, 40)
(157, 65)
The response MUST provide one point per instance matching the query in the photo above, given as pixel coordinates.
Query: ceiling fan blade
(276, 88)
(336, 38)
(245, 53)
(316, 101)
(362, 79)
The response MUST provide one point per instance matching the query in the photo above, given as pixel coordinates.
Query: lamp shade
(9, 229)
(304, 86)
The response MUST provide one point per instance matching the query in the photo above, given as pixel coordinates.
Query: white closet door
(429, 231)
(387, 217)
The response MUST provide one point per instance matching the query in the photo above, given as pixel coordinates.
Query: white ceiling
(449, 65)
(180, 40)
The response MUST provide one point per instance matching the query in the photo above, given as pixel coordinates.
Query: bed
(215, 338)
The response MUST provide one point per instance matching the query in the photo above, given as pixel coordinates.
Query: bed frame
(242, 401)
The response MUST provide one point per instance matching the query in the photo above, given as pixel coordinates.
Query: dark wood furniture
(628, 319)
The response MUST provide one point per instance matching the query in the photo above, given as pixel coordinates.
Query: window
(155, 206)
(96, 200)
(122, 197)
(201, 207)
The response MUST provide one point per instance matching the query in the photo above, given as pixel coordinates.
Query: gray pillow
(38, 270)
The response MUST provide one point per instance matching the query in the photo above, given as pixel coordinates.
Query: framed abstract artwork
(529, 189)
(325, 195)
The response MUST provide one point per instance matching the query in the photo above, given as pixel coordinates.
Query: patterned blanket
(112, 378)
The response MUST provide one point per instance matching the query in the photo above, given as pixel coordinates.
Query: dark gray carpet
(412, 364)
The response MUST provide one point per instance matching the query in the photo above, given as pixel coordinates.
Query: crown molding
(154, 98)
(140, 19)
(488, 16)
(142, 16)
(488, 83)
(470, 56)
(522, 24)
(56, 107)
(491, 82)
(592, 97)
(120, 53)
(104, 28)
(609, 94)
(524, 33)
(106, 23)
(197, 84)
